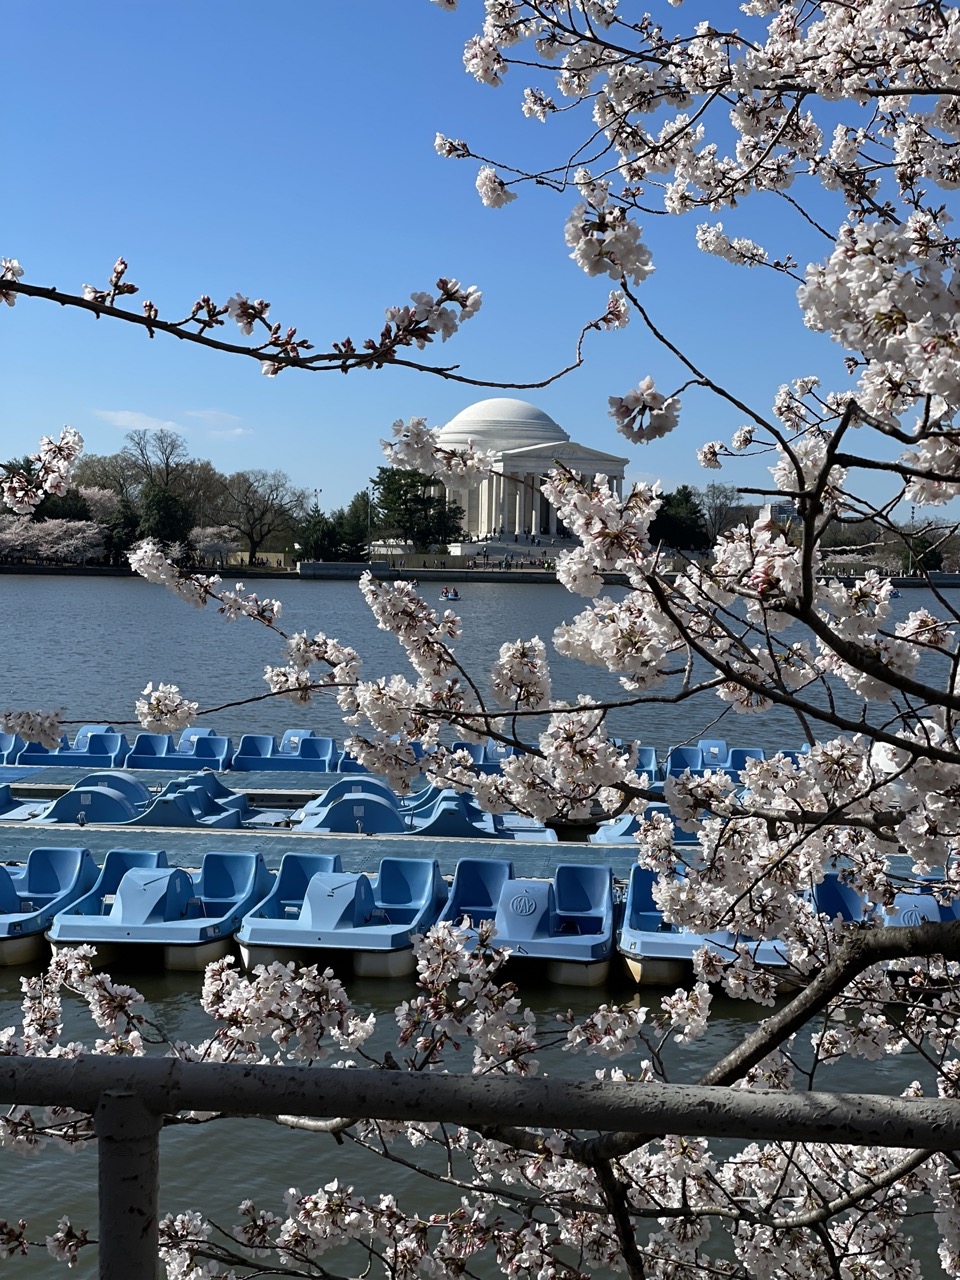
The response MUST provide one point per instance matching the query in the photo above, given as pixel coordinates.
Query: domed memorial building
(529, 442)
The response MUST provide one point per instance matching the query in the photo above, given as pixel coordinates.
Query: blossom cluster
(49, 472)
(645, 413)
(417, 447)
(165, 709)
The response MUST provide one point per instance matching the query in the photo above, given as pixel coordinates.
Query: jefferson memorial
(529, 443)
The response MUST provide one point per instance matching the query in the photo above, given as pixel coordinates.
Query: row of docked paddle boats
(358, 806)
(310, 909)
(100, 746)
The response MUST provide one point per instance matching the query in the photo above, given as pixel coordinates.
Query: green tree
(120, 533)
(319, 536)
(164, 515)
(66, 506)
(680, 521)
(921, 553)
(344, 534)
(356, 527)
(413, 507)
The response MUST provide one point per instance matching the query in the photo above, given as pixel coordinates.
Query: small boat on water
(656, 953)
(449, 593)
(567, 922)
(660, 954)
(316, 906)
(139, 901)
(31, 895)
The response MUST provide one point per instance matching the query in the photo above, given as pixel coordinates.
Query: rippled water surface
(89, 645)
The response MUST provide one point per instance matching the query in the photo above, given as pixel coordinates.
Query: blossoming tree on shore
(845, 117)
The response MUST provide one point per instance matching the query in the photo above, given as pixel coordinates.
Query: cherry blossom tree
(844, 118)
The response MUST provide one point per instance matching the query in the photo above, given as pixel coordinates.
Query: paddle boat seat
(640, 910)
(228, 878)
(679, 759)
(9, 898)
(99, 746)
(49, 872)
(647, 761)
(34, 754)
(715, 752)
(404, 884)
(319, 754)
(584, 897)
(346, 763)
(151, 751)
(616, 830)
(737, 759)
(290, 742)
(210, 749)
(476, 889)
(255, 751)
(475, 750)
(834, 898)
(11, 744)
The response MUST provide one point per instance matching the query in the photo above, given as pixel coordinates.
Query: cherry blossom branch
(418, 326)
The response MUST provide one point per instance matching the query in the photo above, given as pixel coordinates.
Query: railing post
(128, 1140)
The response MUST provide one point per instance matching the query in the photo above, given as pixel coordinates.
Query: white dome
(502, 424)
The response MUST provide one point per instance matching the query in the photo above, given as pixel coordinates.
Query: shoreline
(346, 571)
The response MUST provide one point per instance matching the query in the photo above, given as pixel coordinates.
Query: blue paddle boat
(660, 954)
(566, 922)
(140, 901)
(31, 895)
(314, 905)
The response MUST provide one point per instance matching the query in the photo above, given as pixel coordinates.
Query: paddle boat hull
(325, 915)
(23, 950)
(182, 958)
(31, 895)
(564, 925)
(365, 964)
(140, 906)
(659, 954)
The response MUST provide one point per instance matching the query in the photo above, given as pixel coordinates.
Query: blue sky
(289, 155)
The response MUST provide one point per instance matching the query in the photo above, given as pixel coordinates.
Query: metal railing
(128, 1098)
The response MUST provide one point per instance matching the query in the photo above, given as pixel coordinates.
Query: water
(212, 1167)
(89, 645)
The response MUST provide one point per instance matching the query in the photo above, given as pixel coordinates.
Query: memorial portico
(529, 443)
